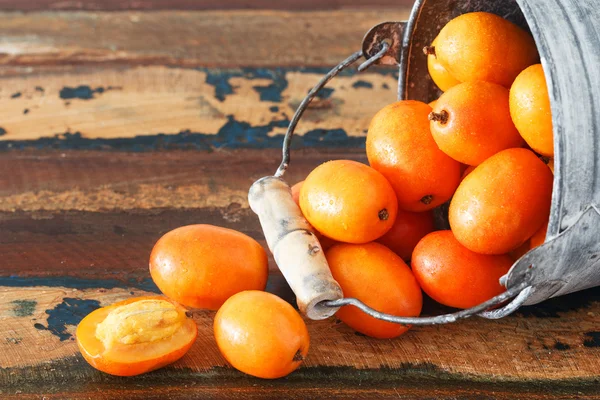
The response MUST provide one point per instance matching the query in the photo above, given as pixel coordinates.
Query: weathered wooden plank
(209, 38)
(61, 262)
(76, 227)
(91, 218)
(117, 5)
(520, 352)
(205, 108)
(111, 181)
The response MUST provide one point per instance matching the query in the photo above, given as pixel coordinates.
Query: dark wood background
(121, 120)
(126, 5)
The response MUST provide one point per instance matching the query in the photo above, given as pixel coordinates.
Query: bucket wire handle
(520, 293)
(436, 320)
(287, 140)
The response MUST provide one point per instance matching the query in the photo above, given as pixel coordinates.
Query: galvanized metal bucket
(567, 34)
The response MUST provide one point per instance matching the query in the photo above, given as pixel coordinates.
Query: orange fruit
(296, 192)
(400, 146)
(136, 335)
(348, 201)
(440, 76)
(480, 46)
(407, 230)
(530, 109)
(261, 335)
(466, 172)
(539, 237)
(471, 122)
(323, 240)
(455, 276)
(502, 203)
(201, 266)
(379, 278)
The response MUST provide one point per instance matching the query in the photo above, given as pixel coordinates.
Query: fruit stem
(545, 159)
(441, 117)
(383, 215)
(426, 199)
(298, 356)
(429, 50)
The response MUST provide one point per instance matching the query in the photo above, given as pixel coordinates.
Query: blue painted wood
(235, 133)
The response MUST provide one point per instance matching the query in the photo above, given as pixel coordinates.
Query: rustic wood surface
(119, 5)
(118, 126)
(237, 38)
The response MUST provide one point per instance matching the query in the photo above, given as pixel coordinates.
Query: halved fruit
(136, 335)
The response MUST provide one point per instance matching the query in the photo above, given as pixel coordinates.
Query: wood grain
(205, 107)
(186, 38)
(477, 351)
(91, 218)
(118, 126)
(61, 262)
(118, 5)
(55, 180)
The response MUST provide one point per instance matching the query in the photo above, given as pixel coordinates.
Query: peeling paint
(233, 134)
(325, 93)
(220, 79)
(23, 308)
(592, 339)
(145, 284)
(82, 92)
(561, 346)
(68, 313)
(272, 86)
(362, 84)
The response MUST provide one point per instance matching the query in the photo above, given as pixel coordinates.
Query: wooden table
(130, 118)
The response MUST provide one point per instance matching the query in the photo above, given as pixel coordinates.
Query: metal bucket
(567, 34)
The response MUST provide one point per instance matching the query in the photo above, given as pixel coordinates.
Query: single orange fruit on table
(136, 335)
(261, 335)
(481, 46)
(400, 146)
(201, 266)
(471, 122)
(440, 75)
(502, 202)
(530, 110)
(408, 229)
(348, 201)
(379, 278)
(455, 276)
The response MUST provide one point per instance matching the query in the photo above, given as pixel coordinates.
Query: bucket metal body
(567, 34)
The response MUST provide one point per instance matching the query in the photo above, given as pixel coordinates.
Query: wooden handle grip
(295, 247)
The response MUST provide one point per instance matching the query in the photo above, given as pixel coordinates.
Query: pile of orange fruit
(485, 146)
